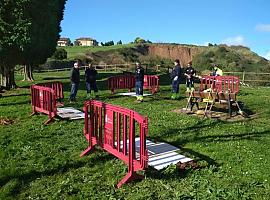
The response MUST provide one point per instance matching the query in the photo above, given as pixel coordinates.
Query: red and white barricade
(113, 128)
(43, 100)
(151, 83)
(121, 82)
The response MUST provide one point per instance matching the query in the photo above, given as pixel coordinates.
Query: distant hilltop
(230, 58)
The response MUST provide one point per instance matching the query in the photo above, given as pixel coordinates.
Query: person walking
(91, 80)
(139, 80)
(75, 80)
(175, 77)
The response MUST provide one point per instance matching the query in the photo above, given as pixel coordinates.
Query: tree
(109, 43)
(119, 42)
(44, 33)
(139, 40)
(60, 54)
(29, 30)
(14, 27)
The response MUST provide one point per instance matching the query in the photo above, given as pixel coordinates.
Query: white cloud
(262, 27)
(238, 40)
(267, 55)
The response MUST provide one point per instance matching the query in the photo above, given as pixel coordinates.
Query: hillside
(230, 58)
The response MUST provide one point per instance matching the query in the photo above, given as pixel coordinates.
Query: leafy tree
(119, 42)
(44, 33)
(14, 36)
(109, 43)
(76, 43)
(29, 30)
(60, 54)
(139, 40)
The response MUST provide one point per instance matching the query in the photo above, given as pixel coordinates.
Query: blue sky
(243, 22)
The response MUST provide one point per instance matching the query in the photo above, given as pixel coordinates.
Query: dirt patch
(6, 121)
(217, 114)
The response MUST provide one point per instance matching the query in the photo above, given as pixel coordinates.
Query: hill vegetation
(230, 58)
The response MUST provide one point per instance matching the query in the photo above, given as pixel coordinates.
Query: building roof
(86, 39)
(64, 39)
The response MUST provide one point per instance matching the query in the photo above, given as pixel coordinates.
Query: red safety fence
(207, 82)
(220, 83)
(114, 128)
(151, 83)
(227, 84)
(43, 100)
(58, 88)
(128, 82)
(121, 82)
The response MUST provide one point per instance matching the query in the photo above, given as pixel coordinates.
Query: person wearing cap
(175, 77)
(217, 71)
(91, 80)
(139, 79)
(190, 73)
(75, 80)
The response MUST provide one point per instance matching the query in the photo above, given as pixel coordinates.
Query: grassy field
(73, 51)
(42, 162)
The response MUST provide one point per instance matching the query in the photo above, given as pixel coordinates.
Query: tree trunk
(28, 73)
(8, 78)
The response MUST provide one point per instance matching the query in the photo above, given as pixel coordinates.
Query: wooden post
(243, 77)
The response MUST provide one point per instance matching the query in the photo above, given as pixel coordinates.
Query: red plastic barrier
(113, 128)
(58, 88)
(227, 84)
(151, 83)
(128, 82)
(43, 100)
(207, 82)
(121, 82)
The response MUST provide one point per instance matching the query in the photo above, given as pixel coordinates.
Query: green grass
(75, 50)
(42, 162)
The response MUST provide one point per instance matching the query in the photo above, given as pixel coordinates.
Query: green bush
(60, 54)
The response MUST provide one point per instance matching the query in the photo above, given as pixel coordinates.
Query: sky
(199, 22)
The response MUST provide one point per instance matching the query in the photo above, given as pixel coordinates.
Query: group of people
(189, 73)
(90, 81)
(176, 75)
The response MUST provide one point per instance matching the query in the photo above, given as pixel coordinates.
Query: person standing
(75, 80)
(190, 74)
(139, 80)
(91, 80)
(175, 77)
(216, 70)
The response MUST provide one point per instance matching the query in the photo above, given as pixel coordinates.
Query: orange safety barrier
(151, 83)
(113, 128)
(43, 100)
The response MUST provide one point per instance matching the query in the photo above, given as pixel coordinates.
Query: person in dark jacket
(190, 73)
(139, 80)
(175, 77)
(75, 80)
(91, 80)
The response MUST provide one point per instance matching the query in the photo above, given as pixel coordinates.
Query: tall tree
(44, 32)
(29, 30)
(14, 36)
